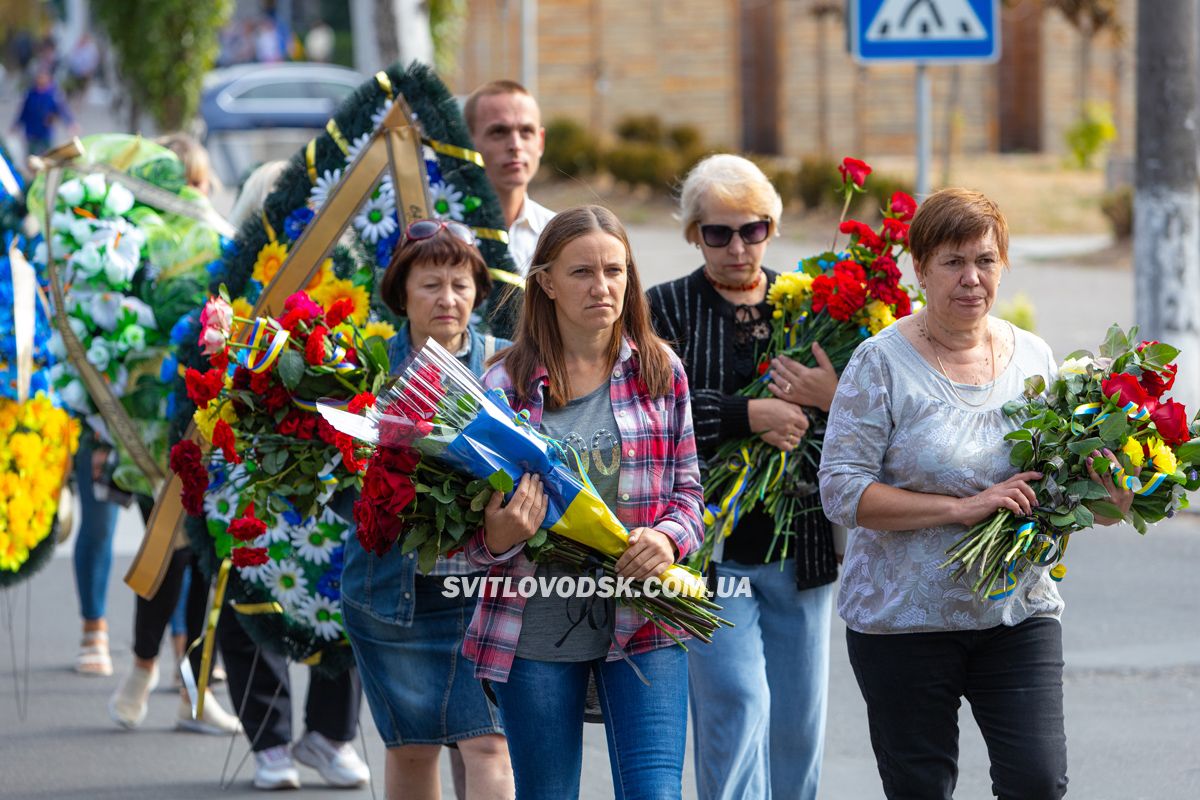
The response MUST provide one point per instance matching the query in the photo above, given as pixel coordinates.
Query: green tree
(163, 49)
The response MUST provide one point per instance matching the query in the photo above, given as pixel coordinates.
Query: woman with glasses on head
(759, 690)
(406, 635)
(588, 369)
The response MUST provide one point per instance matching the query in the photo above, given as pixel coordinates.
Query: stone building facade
(774, 76)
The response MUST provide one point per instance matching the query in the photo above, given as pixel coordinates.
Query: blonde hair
(956, 216)
(731, 181)
(254, 192)
(197, 169)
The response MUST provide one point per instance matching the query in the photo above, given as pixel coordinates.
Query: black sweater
(702, 327)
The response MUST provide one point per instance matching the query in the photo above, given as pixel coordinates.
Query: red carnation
(290, 424)
(1170, 419)
(314, 348)
(822, 288)
(341, 308)
(887, 266)
(895, 231)
(276, 398)
(307, 426)
(220, 360)
(203, 387)
(854, 170)
(250, 556)
(224, 438)
(848, 300)
(260, 382)
(241, 377)
(903, 206)
(345, 445)
(763, 367)
(864, 234)
(360, 402)
(299, 308)
(903, 305)
(326, 432)
(185, 461)
(849, 270)
(1124, 388)
(247, 527)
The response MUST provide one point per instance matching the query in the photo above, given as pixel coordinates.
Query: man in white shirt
(506, 126)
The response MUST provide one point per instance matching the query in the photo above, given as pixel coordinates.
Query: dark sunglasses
(428, 228)
(721, 235)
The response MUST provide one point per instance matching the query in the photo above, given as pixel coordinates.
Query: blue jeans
(542, 708)
(93, 547)
(759, 691)
(179, 615)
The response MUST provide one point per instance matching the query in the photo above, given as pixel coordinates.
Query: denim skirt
(420, 688)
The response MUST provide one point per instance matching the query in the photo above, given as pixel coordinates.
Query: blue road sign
(924, 30)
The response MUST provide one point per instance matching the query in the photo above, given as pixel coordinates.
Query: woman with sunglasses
(406, 635)
(758, 691)
(588, 369)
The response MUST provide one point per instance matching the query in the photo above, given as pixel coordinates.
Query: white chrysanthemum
(357, 146)
(287, 583)
(375, 221)
(380, 113)
(324, 616)
(323, 187)
(447, 201)
(221, 505)
(312, 542)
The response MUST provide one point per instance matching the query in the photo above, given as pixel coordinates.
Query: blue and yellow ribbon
(259, 361)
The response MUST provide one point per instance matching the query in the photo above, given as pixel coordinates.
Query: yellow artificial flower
(270, 259)
(206, 418)
(330, 292)
(879, 316)
(1163, 457)
(1133, 449)
(790, 291)
(378, 328)
(323, 275)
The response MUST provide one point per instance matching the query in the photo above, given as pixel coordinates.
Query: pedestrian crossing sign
(924, 30)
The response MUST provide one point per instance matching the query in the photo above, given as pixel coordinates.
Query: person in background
(506, 127)
(42, 109)
(407, 636)
(318, 42)
(759, 690)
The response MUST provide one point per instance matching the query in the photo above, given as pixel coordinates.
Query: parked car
(239, 105)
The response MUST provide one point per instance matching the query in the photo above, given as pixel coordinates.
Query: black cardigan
(699, 323)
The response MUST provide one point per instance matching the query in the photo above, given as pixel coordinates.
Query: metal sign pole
(924, 128)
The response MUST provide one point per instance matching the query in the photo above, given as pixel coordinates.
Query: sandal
(93, 657)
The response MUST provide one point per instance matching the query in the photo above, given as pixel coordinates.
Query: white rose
(57, 348)
(76, 397)
(81, 229)
(77, 327)
(98, 354)
(71, 192)
(87, 260)
(94, 187)
(118, 200)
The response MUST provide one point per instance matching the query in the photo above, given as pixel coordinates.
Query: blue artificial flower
(169, 370)
(216, 267)
(329, 585)
(292, 516)
(337, 557)
(386, 246)
(253, 290)
(228, 248)
(217, 475)
(182, 329)
(170, 405)
(433, 170)
(296, 222)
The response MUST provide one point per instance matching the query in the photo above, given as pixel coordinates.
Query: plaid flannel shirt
(659, 488)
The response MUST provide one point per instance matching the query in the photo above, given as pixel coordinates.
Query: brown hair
(440, 250)
(197, 170)
(956, 216)
(490, 88)
(538, 340)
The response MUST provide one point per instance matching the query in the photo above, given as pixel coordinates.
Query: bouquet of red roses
(256, 404)
(1115, 401)
(836, 299)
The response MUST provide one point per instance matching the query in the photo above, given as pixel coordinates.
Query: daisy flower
(324, 616)
(315, 542)
(323, 187)
(380, 113)
(287, 583)
(376, 219)
(221, 506)
(447, 201)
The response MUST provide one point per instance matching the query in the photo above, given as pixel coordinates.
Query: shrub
(816, 181)
(1090, 134)
(880, 188)
(1117, 206)
(647, 129)
(643, 164)
(1020, 312)
(685, 138)
(571, 149)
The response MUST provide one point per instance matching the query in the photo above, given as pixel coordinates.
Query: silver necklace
(942, 367)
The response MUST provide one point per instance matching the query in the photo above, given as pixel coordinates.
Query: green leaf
(290, 368)
(481, 499)
(376, 349)
(501, 481)
(1139, 524)
(1013, 407)
(415, 537)
(274, 461)
(1159, 355)
(538, 539)
(1189, 452)
(1115, 343)
(279, 550)
(1062, 520)
(1114, 429)
(1083, 517)
(1019, 435)
(427, 557)
(1022, 453)
(440, 517)
(1084, 447)
(1104, 508)
(1035, 386)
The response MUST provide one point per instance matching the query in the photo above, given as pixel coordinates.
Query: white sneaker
(337, 762)
(215, 722)
(129, 703)
(275, 769)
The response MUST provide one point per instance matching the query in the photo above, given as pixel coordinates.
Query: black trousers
(331, 709)
(151, 617)
(1012, 676)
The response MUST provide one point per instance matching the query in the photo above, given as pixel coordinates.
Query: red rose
(1157, 384)
(247, 527)
(307, 426)
(377, 530)
(895, 231)
(903, 206)
(342, 308)
(1171, 421)
(224, 438)
(203, 387)
(1125, 389)
(360, 402)
(250, 556)
(326, 432)
(854, 170)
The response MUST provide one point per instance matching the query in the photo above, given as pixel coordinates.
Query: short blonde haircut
(729, 181)
(956, 217)
(197, 170)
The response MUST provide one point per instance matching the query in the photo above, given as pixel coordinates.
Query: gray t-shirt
(897, 420)
(589, 426)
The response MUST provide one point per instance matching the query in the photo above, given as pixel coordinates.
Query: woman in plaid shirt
(588, 368)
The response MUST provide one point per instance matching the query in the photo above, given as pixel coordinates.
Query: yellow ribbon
(495, 234)
(254, 609)
(385, 83)
(335, 133)
(504, 276)
(267, 226)
(310, 160)
(208, 639)
(454, 151)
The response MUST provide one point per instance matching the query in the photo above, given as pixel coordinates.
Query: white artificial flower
(104, 308)
(221, 505)
(144, 313)
(133, 338)
(1076, 366)
(281, 531)
(287, 583)
(71, 192)
(57, 372)
(376, 220)
(86, 262)
(447, 201)
(39, 252)
(259, 574)
(121, 381)
(329, 517)
(380, 113)
(356, 146)
(312, 544)
(323, 187)
(122, 244)
(56, 347)
(78, 327)
(118, 201)
(98, 354)
(94, 187)
(324, 615)
(76, 397)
